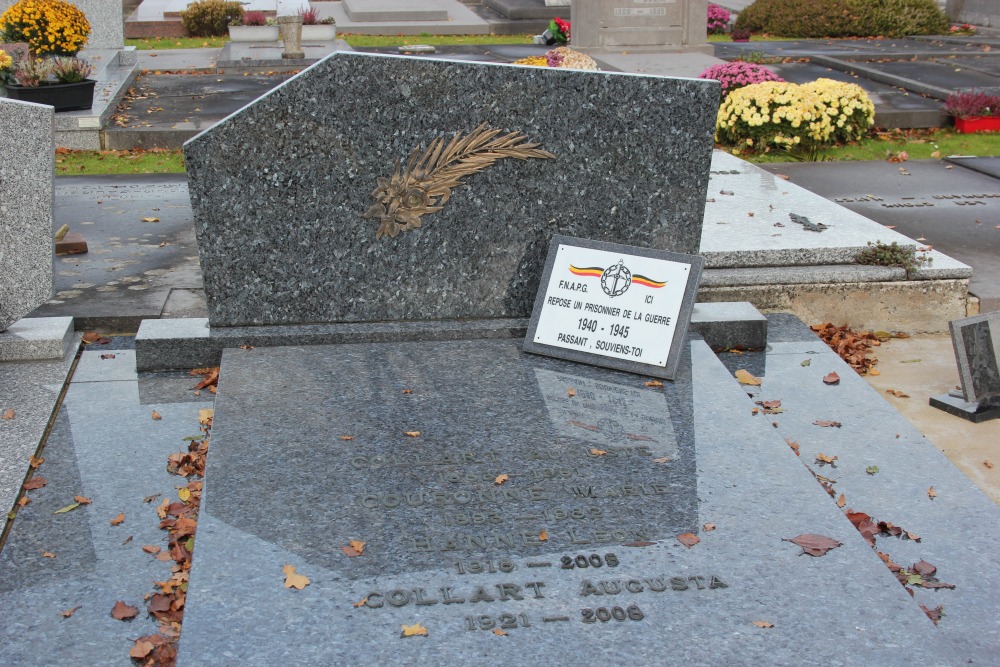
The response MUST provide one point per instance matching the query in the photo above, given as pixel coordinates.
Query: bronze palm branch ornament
(424, 185)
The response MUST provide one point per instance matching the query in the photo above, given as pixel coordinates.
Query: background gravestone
(281, 190)
(107, 26)
(638, 23)
(978, 12)
(26, 173)
(977, 351)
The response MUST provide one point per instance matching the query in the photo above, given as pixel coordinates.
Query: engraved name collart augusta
(424, 185)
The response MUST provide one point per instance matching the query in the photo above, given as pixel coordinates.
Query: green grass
(85, 163)
(164, 43)
(918, 145)
(434, 40)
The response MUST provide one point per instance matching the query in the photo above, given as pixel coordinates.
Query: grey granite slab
(31, 389)
(279, 189)
(451, 548)
(37, 338)
(105, 446)
(872, 433)
(727, 325)
(26, 172)
(977, 350)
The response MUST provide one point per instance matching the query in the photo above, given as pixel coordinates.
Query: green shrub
(844, 18)
(797, 18)
(801, 119)
(211, 18)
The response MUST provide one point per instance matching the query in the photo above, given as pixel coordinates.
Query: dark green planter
(62, 96)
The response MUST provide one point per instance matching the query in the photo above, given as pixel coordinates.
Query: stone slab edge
(37, 338)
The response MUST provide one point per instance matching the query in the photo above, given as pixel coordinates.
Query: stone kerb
(107, 26)
(26, 199)
(280, 190)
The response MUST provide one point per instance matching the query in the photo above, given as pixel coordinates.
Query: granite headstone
(619, 24)
(26, 174)
(977, 351)
(378, 188)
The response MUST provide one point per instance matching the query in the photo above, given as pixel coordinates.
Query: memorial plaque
(463, 502)
(612, 305)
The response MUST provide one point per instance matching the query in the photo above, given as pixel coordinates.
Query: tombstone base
(976, 412)
(165, 344)
(36, 338)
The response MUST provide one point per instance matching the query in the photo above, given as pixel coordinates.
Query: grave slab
(887, 469)
(132, 265)
(31, 389)
(572, 555)
(368, 11)
(947, 208)
(614, 174)
(26, 172)
(104, 446)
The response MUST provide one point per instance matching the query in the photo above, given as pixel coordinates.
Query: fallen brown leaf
(69, 612)
(293, 579)
(415, 630)
(35, 482)
(156, 416)
(500, 479)
(831, 378)
(48, 554)
(598, 452)
(826, 422)
(814, 545)
(118, 519)
(347, 437)
(141, 649)
(688, 539)
(83, 500)
(124, 612)
(360, 603)
(822, 458)
(931, 493)
(93, 338)
(9, 414)
(151, 549)
(653, 383)
(571, 392)
(988, 465)
(841, 501)
(745, 377)
(499, 633)
(665, 459)
(35, 461)
(897, 393)
(763, 624)
(412, 434)
(934, 614)
(543, 536)
(708, 527)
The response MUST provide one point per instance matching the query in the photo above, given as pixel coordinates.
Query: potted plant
(740, 35)
(315, 29)
(49, 27)
(974, 111)
(61, 82)
(253, 27)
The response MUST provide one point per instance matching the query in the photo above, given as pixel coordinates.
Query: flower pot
(977, 124)
(62, 96)
(319, 33)
(253, 33)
